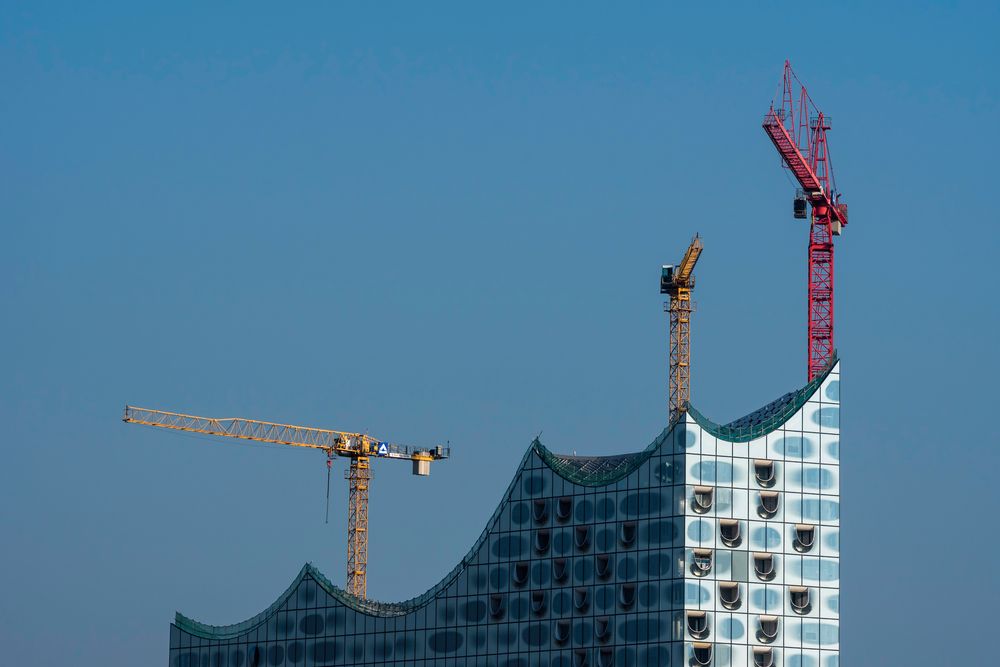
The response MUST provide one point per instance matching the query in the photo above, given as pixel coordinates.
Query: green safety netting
(768, 418)
(603, 470)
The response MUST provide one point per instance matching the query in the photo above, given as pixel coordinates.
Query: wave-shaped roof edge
(604, 470)
(363, 605)
(582, 470)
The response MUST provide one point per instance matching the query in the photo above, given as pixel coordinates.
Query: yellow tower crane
(358, 447)
(678, 283)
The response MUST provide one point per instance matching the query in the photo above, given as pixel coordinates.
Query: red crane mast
(798, 130)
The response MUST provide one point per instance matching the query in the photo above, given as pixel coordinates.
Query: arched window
(805, 537)
(702, 499)
(729, 594)
(626, 596)
(768, 506)
(559, 569)
(627, 533)
(564, 508)
(763, 656)
(540, 510)
(697, 624)
(521, 573)
(763, 470)
(496, 605)
(542, 540)
(729, 532)
(562, 631)
(767, 629)
(603, 566)
(602, 628)
(798, 597)
(702, 653)
(763, 565)
(701, 562)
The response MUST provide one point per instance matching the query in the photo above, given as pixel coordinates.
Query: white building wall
(805, 453)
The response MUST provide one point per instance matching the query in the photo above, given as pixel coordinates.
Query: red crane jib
(799, 166)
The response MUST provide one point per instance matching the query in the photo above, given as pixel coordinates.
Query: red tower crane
(798, 130)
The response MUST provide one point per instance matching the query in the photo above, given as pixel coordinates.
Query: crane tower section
(678, 282)
(360, 448)
(798, 129)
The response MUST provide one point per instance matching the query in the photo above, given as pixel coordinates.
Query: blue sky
(446, 223)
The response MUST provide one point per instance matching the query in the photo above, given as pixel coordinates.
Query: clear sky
(446, 223)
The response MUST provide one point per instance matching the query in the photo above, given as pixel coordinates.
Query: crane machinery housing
(797, 128)
(678, 282)
(360, 448)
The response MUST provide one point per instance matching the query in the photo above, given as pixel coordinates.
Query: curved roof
(602, 470)
(582, 470)
(762, 421)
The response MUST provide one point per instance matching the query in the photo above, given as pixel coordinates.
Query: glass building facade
(716, 545)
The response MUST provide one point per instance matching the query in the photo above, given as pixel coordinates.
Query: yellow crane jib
(360, 448)
(678, 282)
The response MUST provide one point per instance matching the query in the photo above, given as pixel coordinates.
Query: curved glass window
(562, 632)
(602, 628)
(540, 510)
(521, 573)
(763, 565)
(697, 624)
(538, 602)
(768, 505)
(702, 653)
(581, 537)
(701, 562)
(702, 499)
(605, 657)
(729, 594)
(763, 656)
(542, 540)
(581, 598)
(729, 532)
(496, 605)
(805, 537)
(767, 629)
(798, 597)
(763, 472)
(581, 657)
(560, 569)
(564, 508)
(604, 566)
(627, 533)
(626, 595)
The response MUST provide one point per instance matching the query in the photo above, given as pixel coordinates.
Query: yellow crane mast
(358, 447)
(678, 283)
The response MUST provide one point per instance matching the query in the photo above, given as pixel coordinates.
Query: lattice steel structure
(358, 447)
(797, 128)
(678, 283)
(359, 476)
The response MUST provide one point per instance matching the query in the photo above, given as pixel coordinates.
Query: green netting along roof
(766, 419)
(603, 470)
(598, 470)
(365, 606)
